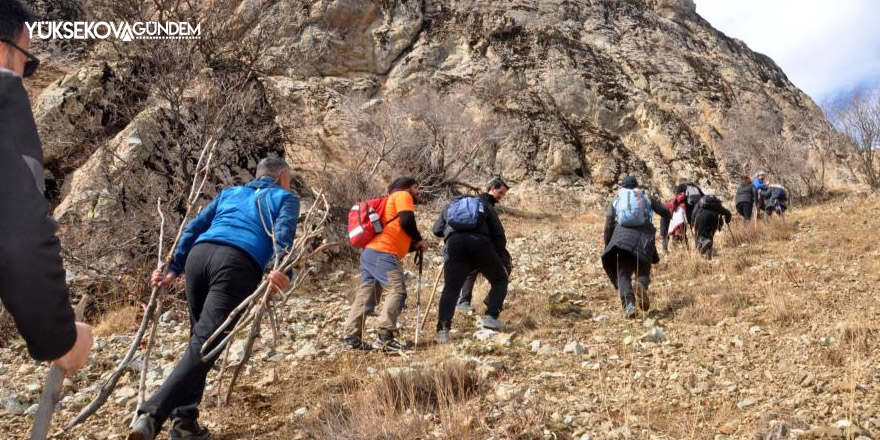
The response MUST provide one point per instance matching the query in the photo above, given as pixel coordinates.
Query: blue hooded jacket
(758, 184)
(233, 219)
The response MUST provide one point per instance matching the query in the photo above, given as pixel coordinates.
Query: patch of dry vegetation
(118, 321)
(403, 404)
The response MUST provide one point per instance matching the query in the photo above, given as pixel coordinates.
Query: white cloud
(824, 46)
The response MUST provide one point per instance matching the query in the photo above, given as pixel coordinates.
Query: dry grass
(410, 403)
(117, 321)
(860, 336)
(742, 233)
(692, 265)
(786, 311)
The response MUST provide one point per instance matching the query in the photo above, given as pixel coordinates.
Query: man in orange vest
(381, 269)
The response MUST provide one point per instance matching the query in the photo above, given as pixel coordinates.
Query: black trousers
(467, 289)
(664, 232)
(466, 252)
(218, 279)
(744, 209)
(627, 265)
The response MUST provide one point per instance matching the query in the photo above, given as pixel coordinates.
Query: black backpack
(711, 203)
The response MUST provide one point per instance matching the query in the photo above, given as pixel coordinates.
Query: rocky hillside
(596, 88)
(776, 338)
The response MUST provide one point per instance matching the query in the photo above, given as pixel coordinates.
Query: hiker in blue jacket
(759, 181)
(224, 252)
(629, 244)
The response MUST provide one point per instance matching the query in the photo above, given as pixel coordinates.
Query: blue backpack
(465, 213)
(632, 208)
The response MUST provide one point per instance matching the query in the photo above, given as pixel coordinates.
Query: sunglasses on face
(30, 66)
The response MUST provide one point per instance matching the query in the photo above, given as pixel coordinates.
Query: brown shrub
(406, 404)
(117, 321)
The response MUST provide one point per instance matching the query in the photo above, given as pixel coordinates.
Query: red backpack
(365, 221)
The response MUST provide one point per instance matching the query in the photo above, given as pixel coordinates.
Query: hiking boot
(355, 343)
(388, 344)
(490, 323)
(442, 337)
(630, 311)
(183, 429)
(642, 297)
(144, 428)
(465, 307)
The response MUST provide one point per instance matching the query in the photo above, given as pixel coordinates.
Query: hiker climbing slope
(495, 191)
(693, 193)
(629, 244)
(32, 279)
(746, 198)
(677, 202)
(776, 201)
(475, 240)
(759, 182)
(709, 217)
(224, 252)
(381, 269)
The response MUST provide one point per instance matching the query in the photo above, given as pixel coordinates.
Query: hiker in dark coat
(776, 200)
(709, 217)
(495, 191)
(33, 286)
(746, 198)
(631, 250)
(693, 193)
(482, 247)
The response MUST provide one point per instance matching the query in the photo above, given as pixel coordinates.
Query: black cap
(629, 182)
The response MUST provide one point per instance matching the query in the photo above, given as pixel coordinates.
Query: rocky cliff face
(585, 90)
(598, 88)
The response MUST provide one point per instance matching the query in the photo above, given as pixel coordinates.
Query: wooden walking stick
(52, 388)
(431, 299)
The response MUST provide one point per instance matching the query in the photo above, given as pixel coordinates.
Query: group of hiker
(629, 234)
(386, 229)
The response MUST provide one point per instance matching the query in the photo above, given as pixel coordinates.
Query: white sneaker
(442, 337)
(490, 323)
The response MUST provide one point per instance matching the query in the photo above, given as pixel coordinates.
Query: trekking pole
(419, 260)
(431, 299)
(52, 387)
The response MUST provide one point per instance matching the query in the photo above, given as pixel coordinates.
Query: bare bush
(856, 115)
(438, 139)
(796, 152)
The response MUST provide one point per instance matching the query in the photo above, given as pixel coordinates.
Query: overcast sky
(824, 46)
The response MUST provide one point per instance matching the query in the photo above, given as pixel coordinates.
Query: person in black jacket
(693, 193)
(32, 278)
(495, 191)
(746, 197)
(776, 201)
(482, 249)
(631, 250)
(709, 217)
